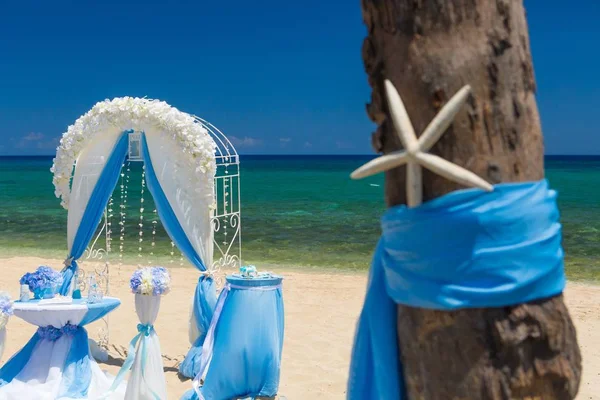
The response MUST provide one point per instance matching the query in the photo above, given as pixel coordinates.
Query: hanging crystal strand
(122, 217)
(225, 205)
(125, 195)
(180, 259)
(109, 216)
(141, 234)
(153, 244)
(172, 253)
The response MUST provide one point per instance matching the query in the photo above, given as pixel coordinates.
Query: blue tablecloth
(241, 356)
(61, 339)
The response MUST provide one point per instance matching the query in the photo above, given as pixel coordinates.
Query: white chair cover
(147, 379)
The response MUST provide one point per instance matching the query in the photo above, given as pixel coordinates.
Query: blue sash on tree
(467, 249)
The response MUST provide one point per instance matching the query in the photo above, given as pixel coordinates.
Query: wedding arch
(191, 170)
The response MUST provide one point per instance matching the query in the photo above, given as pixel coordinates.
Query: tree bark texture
(429, 49)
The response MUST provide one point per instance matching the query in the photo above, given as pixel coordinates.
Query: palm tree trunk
(429, 49)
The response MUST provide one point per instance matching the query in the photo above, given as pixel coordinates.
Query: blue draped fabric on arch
(205, 296)
(467, 249)
(95, 208)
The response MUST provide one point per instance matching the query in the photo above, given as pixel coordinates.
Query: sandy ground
(320, 314)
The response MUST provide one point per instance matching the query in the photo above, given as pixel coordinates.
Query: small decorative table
(56, 363)
(241, 356)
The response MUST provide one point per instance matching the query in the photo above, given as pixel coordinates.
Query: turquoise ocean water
(296, 210)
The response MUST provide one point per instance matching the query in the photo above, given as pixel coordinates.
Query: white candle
(24, 294)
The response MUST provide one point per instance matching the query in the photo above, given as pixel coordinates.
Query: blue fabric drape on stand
(95, 208)
(467, 249)
(76, 372)
(12, 367)
(144, 331)
(246, 339)
(205, 297)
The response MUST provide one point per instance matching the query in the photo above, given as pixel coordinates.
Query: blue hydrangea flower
(43, 278)
(153, 281)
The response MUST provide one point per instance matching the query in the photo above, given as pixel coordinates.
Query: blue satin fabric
(248, 341)
(17, 362)
(98, 310)
(77, 372)
(95, 208)
(205, 297)
(166, 213)
(466, 249)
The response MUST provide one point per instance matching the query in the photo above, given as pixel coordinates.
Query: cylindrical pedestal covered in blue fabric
(241, 356)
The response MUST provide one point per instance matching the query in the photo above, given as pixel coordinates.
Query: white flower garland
(141, 115)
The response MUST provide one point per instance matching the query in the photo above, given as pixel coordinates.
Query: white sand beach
(321, 308)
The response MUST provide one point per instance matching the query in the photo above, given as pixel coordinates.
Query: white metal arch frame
(227, 217)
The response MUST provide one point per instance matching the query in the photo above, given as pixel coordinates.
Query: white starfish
(415, 150)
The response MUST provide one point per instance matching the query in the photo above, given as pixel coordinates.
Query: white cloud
(36, 140)
(284, 141)
(307, 144)
(245, 142)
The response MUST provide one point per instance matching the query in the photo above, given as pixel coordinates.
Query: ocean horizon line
(318, 155)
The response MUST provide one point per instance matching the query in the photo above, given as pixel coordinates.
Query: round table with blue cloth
(241, 356)
(56, 362)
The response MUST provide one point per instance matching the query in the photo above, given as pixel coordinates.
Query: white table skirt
(41, 377)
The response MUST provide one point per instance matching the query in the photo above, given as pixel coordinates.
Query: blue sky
(276, 76)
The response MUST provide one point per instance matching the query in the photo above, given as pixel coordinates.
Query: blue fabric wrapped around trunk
(467, 249)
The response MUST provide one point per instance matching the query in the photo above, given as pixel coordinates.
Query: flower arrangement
(151, 281)
(248, 271)
(125, 113)
(6, 309)
(44, 282)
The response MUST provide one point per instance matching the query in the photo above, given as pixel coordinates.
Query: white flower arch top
(182, 153)
(150, 116)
